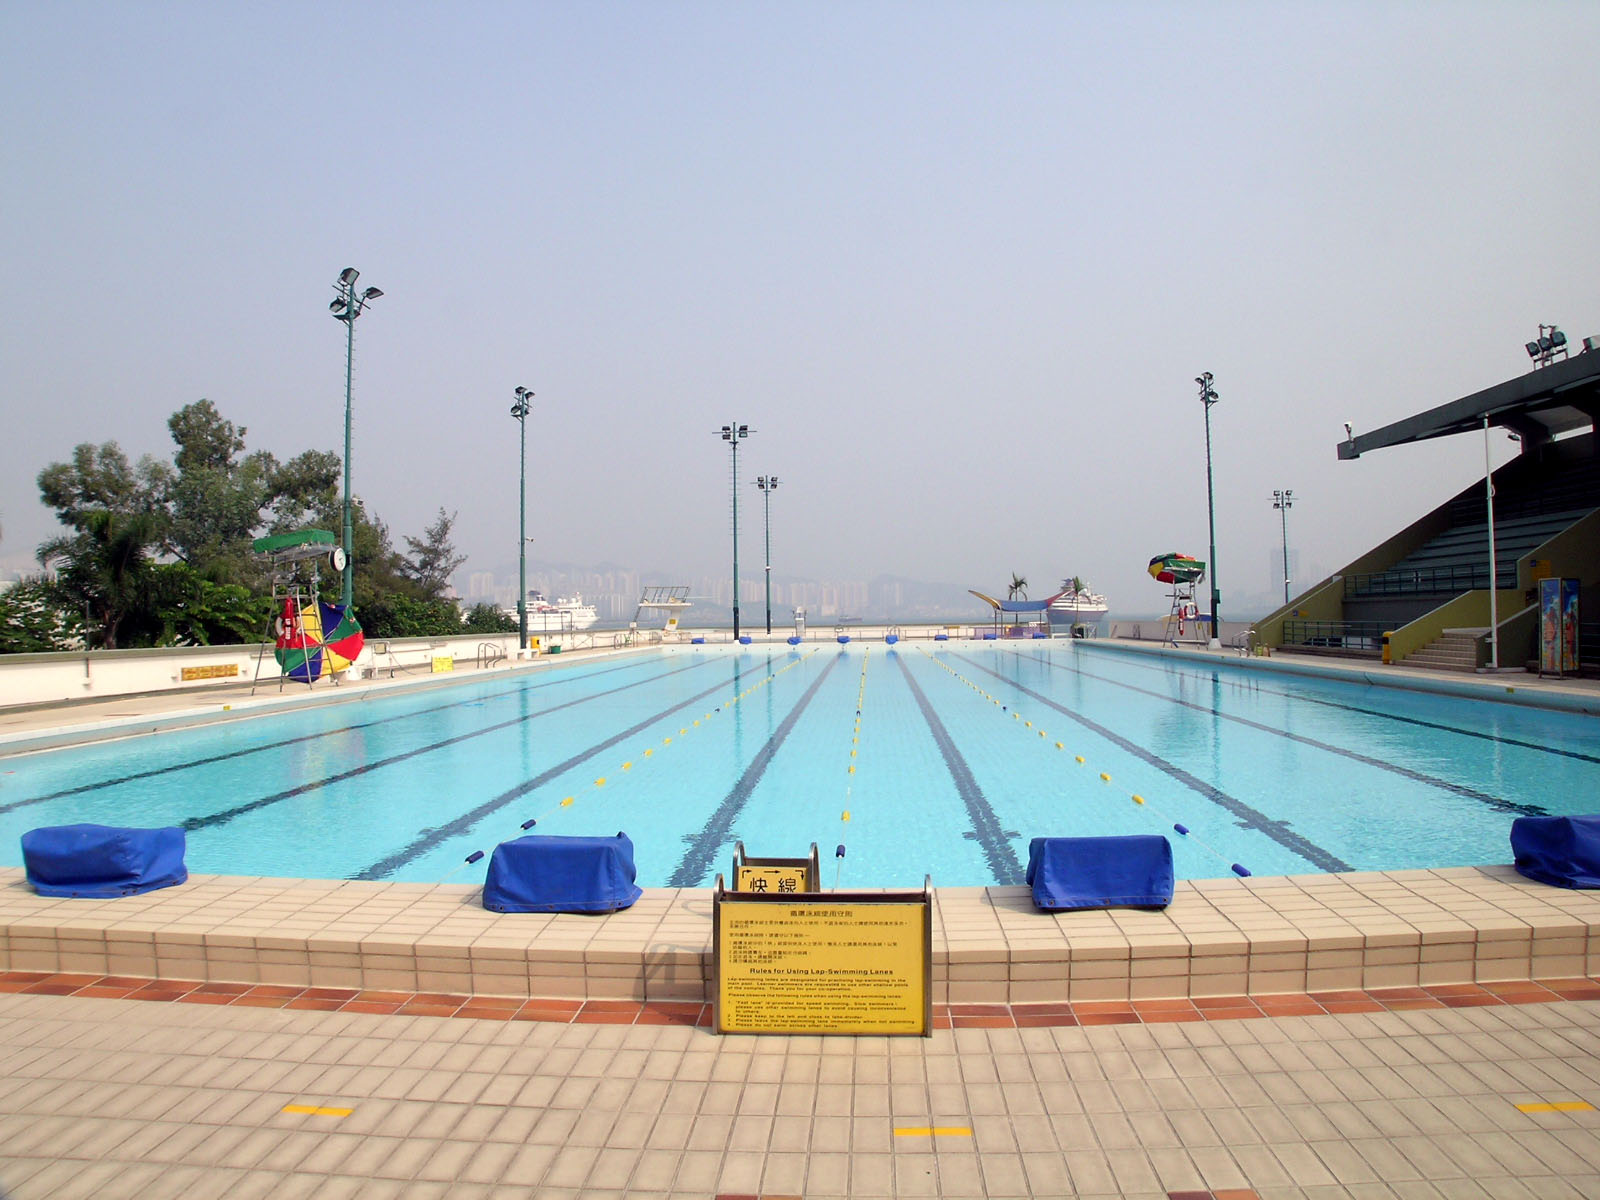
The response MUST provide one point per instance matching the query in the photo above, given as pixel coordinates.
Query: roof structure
(1015, 606)
(1537, 407)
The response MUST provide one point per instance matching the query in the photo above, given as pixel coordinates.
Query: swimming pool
(921, 758)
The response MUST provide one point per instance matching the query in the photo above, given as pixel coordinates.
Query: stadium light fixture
(520, 411)
(1208, 397)
(733, 435)
(768, 484)
(346, 307)
(1283, 501)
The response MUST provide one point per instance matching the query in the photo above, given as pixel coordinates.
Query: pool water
(938, 759)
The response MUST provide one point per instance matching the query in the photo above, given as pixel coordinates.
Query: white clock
(336, 558)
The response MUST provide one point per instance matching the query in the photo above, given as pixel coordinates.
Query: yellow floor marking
(1558, 1106)
(934, 1131)
(312, 1110)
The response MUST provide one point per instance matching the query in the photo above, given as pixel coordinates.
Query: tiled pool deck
(1405, 1034)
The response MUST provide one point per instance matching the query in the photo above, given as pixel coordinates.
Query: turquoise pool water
(947, 757)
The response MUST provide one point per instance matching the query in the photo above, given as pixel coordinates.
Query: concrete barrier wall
(54, 678)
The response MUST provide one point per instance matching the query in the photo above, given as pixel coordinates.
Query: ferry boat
(1077, 604)
(564, 614)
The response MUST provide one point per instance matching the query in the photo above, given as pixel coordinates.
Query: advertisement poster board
(1558, 626)
(823, 962)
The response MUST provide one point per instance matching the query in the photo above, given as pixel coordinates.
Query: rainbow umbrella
(1176, 568)
(299, 648)
(342, 637)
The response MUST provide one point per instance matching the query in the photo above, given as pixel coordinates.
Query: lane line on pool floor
(705, 845)
(1494, 803)
(437, 836)
(1251, 818)
(1497, 739)
(245, 751)
(986, 827)
(223, 816)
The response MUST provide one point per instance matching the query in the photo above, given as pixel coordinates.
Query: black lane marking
(997, 852)
(703, 846)
(1396, 717)
(228, 814)
(429, 838)
(1494, 803)
(294, 741)
(1249, 818)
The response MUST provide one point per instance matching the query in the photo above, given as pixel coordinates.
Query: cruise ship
(564, 614)
(1076, 604)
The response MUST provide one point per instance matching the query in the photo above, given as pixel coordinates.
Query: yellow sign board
(821, 963)
(784, 880)
(214, 671)
(443, 663)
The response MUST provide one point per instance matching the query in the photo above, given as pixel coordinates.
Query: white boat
(564, 614)
(1077, 604)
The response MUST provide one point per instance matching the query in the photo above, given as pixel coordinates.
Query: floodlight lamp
(348, 276)
(371, 293)
(1557, 339)
(337, 307)
(1546, 345)
(1533, 349)
(744, 431)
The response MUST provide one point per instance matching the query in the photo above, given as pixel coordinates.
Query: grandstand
(1423, 594)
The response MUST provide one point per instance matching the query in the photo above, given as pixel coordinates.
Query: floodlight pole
(1283, 501)
(768, 484)
(520, 411)
(1494, 582)
(346, 307)
(1208, 397)
(732, 434)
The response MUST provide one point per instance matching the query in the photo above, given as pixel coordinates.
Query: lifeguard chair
(1184, 574)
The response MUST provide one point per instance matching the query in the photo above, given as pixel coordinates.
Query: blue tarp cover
(1562, 851)
(1101, 872)
(102, 860)
(561, 874)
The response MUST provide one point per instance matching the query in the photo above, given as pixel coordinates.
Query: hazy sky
(957, 265)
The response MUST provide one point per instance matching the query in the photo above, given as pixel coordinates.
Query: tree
(433, 559)
(213, 499)
(106, 570)
(1019, 588)
(35, 617)
(488, 618)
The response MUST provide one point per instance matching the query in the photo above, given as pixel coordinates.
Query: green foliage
(107, 570)
(433, 559)
(487, 618)
(192, 610)
(160, 553)
(35, 616)
(407, 616)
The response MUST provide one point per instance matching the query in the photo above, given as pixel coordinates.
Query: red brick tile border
(945, 1016)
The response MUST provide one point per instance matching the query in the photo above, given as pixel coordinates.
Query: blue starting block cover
(1101, 872)
(98, 861)
(1560, 851)
(561, 874)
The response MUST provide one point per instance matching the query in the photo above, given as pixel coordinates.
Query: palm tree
(107, 569)
(1019, 588)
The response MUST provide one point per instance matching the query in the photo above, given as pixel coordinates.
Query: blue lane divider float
(1242, 872)
(530, 823)
(475, 856)
(793, 641)
(744, 639)
(843, 638)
